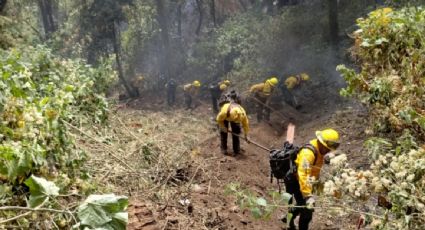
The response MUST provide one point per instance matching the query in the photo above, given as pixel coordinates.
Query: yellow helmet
(223, 87)
(329, 138)
(273, 81)
(196, 83)
(226, 82)
(305, 77)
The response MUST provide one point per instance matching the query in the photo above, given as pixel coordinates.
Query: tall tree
(267, 6)
(132, 92)
(333, 22)
(179, 19)
(2, 4)
(201, 15)
(165, 40)
(212, 9)
(46, 10)
(101, 21)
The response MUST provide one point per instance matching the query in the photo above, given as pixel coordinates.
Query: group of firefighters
(232, 118)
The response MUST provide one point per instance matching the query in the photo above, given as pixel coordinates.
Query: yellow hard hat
(305, 77)
(197, 83)
(329, 138)
(223, 87)
(227, 82)
(273, 81)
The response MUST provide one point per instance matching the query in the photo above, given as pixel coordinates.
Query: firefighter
(216, 90)
(308, 164)
(171, 91)
(262, 93)
(190, 90)
(232, 114)
(291, 83)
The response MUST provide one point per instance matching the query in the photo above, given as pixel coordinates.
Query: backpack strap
(298, 76)
(312, 148)
(231, 106)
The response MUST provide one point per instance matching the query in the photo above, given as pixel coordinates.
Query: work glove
(327, 159)
(310, 202)
(246, 139)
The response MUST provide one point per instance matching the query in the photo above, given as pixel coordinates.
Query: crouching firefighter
(232, 114)
(191, 90)
(216, 90)
(308, 164)
(262, 94)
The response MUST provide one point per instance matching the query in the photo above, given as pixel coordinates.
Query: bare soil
(209, 208)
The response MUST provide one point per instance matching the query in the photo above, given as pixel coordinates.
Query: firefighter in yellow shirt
(290, 84)
(216, 90)
(190, 90)
(309, 164)
(232, 114)
(262, 93)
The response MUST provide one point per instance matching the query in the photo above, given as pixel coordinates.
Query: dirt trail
(215, 210)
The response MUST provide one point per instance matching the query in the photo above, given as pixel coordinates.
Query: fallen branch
(20, 208)
(110, 153)
(5, 208)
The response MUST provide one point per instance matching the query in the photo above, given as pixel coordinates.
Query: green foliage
(40, 190)
(40, 93)
(103, 212)
(18, 23)
(390, 47)
(259, 207)
(231, 47)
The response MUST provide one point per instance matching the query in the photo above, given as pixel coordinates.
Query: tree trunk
(116, 43)
(46, 11)
(213, 13)
(282, 3)
(333, 22)
(2, 4)
(179, 20)
(268, 6)
(49, 10)
(201, 16)
(242, 3)
(165, 40)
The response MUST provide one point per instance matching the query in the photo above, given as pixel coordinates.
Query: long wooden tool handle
(290, 133)
(252, 142)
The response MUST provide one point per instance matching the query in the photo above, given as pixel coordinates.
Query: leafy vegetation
(41, 95)
(104, 212)
(390, 46)
(258, 206)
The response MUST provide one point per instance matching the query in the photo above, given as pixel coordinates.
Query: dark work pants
(262, 109)
(236, 128)
(293, 188)
(215, 95)
(288, 97)
(171, 95)
(188, 100)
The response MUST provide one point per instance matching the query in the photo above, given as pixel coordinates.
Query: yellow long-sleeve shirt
(292, 81)
(191, 89)
(307, 169)
(263, 89)
(236, 114)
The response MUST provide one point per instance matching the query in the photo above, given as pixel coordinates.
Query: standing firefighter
(232, 114)
(171, 91)
(308, 163)
(291, 83)
(262, 93)
(216, 89)
(190, 90)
